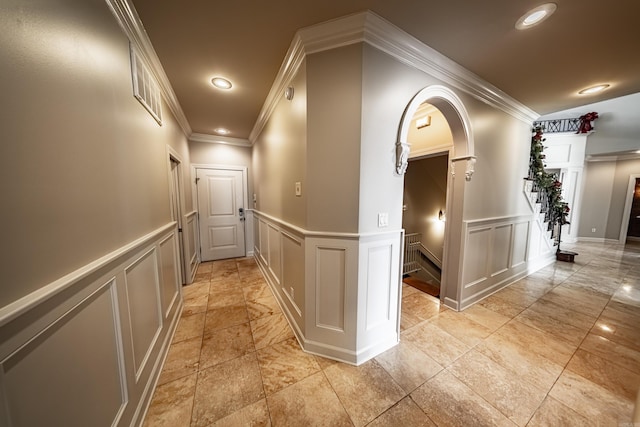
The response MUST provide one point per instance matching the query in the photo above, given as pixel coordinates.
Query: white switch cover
(383, 219)
(298, 189)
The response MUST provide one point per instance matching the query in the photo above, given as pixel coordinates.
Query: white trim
(217, 139)
(626, 213)
(597, 240)
(324, 234)
(372, 29)
(28, 302)
(128, 19)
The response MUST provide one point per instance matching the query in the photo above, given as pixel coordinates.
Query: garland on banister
(558, 208)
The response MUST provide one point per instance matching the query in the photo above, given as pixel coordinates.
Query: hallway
(560, 347)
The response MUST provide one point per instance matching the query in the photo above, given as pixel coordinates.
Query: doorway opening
(630, 230)
(425, 199)
(176, 201)
(440, 109)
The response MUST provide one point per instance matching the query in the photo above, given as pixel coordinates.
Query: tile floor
(558, 348)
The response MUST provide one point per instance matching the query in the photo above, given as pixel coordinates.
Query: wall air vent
(145, 88)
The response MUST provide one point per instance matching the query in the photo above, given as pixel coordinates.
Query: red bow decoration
(585, 122)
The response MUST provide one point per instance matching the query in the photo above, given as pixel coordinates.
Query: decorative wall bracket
(402, 157)
(469, 166)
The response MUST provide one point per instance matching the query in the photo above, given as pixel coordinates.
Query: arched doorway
(461, 168)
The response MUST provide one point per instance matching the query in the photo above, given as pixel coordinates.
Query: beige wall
(334, 80)
(435, 136)
(279, 158)
(85, 165)
(425, 194)
(596, 199)
(501, 146)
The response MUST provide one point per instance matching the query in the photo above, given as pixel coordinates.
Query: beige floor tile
(225, 297)
(485, 317)
(182, 360)
(221, 345)
(408, 290)
(225, 388)
(462, 327)
(222, 274)
(365, 391)
(421, 305)
(607, 375)
(270, 330)
(591, 401)
(195, 298)
(539, 342)
(224, 317)
(613, 352)
(283, 364)
(257, 291)
(310, 402)
(517, 296)
(504, 307)
(408, 366)
(557, 320)
(217, 286)
(408, 320)
(262, 307)
(553, 414)
(617, 331)
(171, 404)
(436, 343)
(190, 326)
(255, 278)
(254, 415)
(205, 267)
(520, 360)
(449, 402)
(323, 362)
(405, 413)
(580, 300)
(503, 389)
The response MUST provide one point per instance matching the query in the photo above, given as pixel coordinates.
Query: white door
(221, 212)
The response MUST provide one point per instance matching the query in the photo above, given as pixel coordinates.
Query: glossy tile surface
(560, 347)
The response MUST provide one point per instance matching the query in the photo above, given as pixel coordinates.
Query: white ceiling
(584, 43)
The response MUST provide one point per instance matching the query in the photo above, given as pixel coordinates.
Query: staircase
(421, 264)
(539, 203)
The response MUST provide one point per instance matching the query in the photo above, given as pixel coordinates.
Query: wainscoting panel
(143, 298)
(339, 291)
(191, 244)
(495, 255)
(293, 274)
(274, 253)
(170, 277)
(501, 249)
(520, 244)
(378, 291)
(87, 349)
(70, 374)
(477, 259)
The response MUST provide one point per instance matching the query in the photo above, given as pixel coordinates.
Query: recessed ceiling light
(221, 83)
(222, 131)
(593, 89)
(535, 16)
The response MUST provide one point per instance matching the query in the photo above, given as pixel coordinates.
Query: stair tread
(426, 287)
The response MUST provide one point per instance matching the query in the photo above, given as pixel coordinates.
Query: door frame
(182, 243)
(245, 195)
(624, 227)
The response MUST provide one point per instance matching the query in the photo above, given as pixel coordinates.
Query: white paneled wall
(333, 287)
(87, 349)
(497, 252)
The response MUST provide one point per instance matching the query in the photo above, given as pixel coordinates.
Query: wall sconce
(423, 122)
(441, 216)
(288, 93)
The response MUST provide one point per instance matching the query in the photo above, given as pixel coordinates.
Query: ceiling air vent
(145, 88)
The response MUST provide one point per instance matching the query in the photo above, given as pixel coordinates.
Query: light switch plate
(298, 189)
(383, 219)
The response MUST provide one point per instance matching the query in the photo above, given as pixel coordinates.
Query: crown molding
(217, 139)
(372, 29)
(128, 19)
